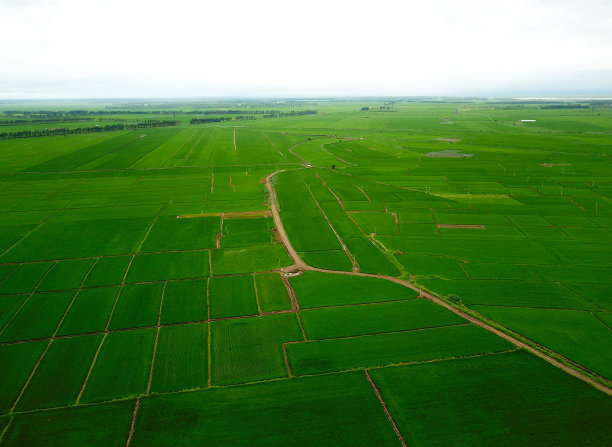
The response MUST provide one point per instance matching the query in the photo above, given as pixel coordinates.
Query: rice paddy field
(313, 272)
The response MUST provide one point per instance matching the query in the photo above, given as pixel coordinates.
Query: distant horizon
(416, 98)
(54, 49)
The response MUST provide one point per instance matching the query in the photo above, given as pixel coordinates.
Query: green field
(144, 278)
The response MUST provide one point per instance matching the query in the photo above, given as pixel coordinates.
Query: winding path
(300, 265)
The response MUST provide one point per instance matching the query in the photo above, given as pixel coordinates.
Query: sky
(315, 48)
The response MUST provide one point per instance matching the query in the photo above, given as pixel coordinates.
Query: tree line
(79, 130)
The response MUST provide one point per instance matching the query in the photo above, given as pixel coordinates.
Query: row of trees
(271, 114)
(78, 130)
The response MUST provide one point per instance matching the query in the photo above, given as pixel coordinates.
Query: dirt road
(299, 264)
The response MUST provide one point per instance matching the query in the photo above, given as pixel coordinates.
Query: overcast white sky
(201, 48)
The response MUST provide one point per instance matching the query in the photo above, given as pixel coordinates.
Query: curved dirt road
(300, 265)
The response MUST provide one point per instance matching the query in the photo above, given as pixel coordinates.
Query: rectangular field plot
(98, 425)
(181, 359)
(59, 240)
(387, 349)
(579, 336)
(309, 234)
(165, 266)
(61, 373)
(25, 278)
(314, 289)
(513, 399)
(22, 358)
(122, 367)
(66, 275)
(370, 258)
(250, 349)
(326, 410)
(245, 232)
(184, 301)
(436, 266)
(258, 258)
(9, 305)
(345, 321)
(272, 294)
(90, 311)
(511, 293)
(378, 223)
(170, 233)
(38, 318)
(137, 306)
(328, 259)
(108, 271)
(232, 296)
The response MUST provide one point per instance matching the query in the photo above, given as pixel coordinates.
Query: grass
(257, 258)
(108, 271)
(106, 425)
(166, 266)
(122, 366)
(272, 294)
(61, 373)
(512, 399)
(181, 358)
(314, 289)
(386, 349)
(319, 411)
(38, 318)
(541, 267)
(331, 322)
(184, 301)
(22, 358)
(232, 296)
(90, 311)
(577, 335)
(250, 349)
(137, 306)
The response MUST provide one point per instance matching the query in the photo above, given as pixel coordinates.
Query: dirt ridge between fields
(300, 265)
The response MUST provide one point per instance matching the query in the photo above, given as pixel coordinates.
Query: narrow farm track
(299, 264)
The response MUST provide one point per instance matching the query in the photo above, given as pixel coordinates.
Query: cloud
(192, 48)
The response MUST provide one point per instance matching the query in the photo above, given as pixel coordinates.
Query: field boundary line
(209, 362)
(210, 263)
(6, 428)
(335, 156)
(30, 295)
(295, 305)
(220, 234)
(27, 382)
(384, 405)
(235, 148)
(93, 364)
(275, 147)
(400, 331)
(161, 303)
(481, 322)
(112, 312)
(289, 372)
(344, 247)
(275, 379)
(602, 322)
(176, 151)
(16, 266)
(26, 235)
(133, 424)
(196, 143)
(256, 295)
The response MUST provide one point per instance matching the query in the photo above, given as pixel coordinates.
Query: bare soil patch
(449, 140)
